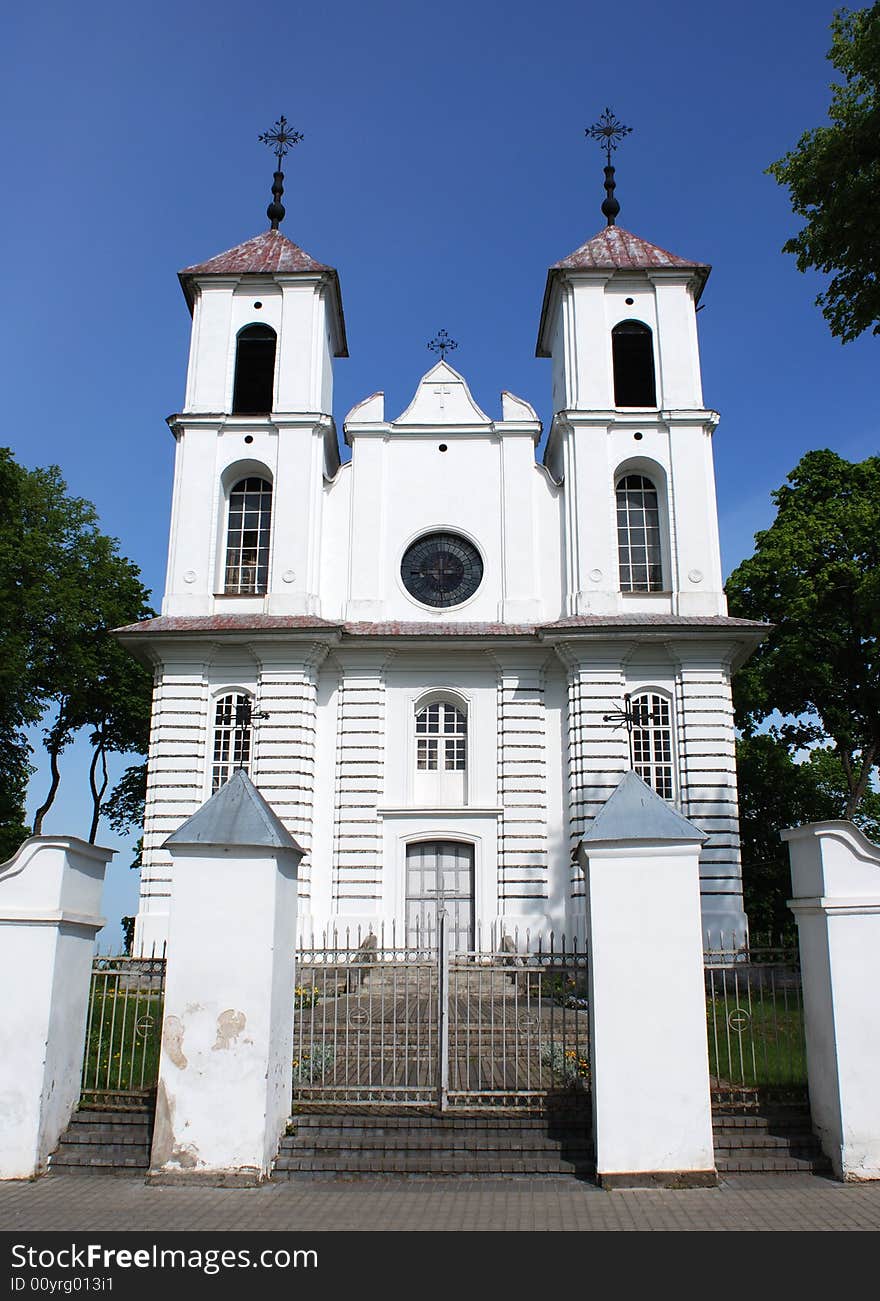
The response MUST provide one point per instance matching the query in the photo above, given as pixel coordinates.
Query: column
(225, 1070)
(50, 900)
(835, 876)
(652, 1117)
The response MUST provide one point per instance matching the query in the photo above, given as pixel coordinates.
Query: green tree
(833, 175)
(815, 576)
(777, 792)
(124, 807)
(63, 586)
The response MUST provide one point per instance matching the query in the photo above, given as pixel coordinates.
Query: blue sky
(444, 167)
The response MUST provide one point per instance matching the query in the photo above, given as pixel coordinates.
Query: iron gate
(123, 1031)
(377, 1024)
(755, 1020)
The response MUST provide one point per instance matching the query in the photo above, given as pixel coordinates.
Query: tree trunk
(860, 784)
(100, 755)
(54, 747)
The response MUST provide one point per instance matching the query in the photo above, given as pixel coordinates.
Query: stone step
(764, 1142)
(424, 1141)
(104, 1141)
(456, 1121)
(754, 1164)
(429, 1164)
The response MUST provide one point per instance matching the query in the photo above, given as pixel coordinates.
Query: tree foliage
(833, 175)
(63, 586)
(815, 576)
(776, 792)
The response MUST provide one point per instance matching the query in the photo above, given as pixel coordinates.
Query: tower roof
(263, 255)
(270, 253)
(616, 249)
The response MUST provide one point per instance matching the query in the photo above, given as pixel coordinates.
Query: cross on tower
(280, 139)
(442, 343)
(609, 132)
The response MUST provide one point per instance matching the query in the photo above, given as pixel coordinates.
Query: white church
(437, 658)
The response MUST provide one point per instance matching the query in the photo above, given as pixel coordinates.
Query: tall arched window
(652, 741)
(638, 535)
(247, 537)
(441, 753)
(632, 354)
(254, 387)
(232, 737)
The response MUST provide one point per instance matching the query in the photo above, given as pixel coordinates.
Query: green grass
(123, 1038)
(768, 1049)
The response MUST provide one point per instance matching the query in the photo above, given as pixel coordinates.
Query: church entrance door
(440, 875)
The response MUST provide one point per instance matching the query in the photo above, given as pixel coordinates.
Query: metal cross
(442, 343)
(280, 138)
(627, 717)
(609, 132)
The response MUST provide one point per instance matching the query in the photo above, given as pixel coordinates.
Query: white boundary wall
(50, 898)
(835, 874)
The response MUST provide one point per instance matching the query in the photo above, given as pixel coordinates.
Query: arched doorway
(440, 874)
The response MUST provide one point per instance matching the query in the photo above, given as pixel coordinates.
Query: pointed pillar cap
(634, 812)
(235, 817)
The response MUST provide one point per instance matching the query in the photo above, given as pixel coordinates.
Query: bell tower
(631, 438)
(255, 438)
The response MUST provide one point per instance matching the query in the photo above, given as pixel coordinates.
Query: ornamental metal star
(280, 138)
(442, 343)
(608, 131)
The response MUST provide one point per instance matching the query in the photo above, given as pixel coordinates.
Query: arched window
(441, 752)
(232, 737)
(638, 535)
(254, 388)
(247, 537)
(632, 353)
(652, 741)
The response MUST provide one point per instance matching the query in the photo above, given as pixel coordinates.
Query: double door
(440, 875)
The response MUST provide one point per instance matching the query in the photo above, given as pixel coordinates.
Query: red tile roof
(620, 250)
(263, 255)
(303, 623)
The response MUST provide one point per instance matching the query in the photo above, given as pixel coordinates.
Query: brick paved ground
(83, 1202)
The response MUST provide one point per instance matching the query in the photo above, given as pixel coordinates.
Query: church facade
(437, 659)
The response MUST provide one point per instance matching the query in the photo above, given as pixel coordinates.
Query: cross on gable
(442, 391)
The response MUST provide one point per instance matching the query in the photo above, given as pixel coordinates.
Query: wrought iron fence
(123, 1031)
(754, 1005)
(381, 1023)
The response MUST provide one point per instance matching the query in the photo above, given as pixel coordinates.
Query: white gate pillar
(835, 874)
(652, 1115)
(50, 901)
(225, 1070)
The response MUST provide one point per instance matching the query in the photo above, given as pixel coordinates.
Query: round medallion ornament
(696, 576)
(441, 569)
(189, 576)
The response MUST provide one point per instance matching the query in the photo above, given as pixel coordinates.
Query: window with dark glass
(652, 741)
(632, 353)
(247, 537)
(254, 371)
(441, 738)
(638, 535)
(232, 737)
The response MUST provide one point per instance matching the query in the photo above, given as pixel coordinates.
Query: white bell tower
(631, 437)
(255, 439)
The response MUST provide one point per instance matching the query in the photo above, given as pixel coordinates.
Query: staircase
(776, 1140)
(353, 1145)
(105, 1142)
